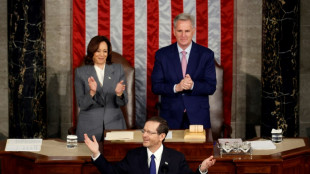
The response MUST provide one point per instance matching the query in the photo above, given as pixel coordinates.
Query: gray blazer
(103, 110)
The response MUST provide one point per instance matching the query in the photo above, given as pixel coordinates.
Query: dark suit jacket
(135, 162)
(167, 72)
(103, 110)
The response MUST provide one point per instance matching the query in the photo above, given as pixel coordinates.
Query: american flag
(138, 28)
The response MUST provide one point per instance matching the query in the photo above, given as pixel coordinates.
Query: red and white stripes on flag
(138, 28)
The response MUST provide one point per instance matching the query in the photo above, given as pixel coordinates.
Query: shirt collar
(158, 152)
(99, 69)
(188, 49)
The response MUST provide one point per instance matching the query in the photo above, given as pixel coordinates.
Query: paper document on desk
(262, 145)
(169, 135)
(119, 135)
(27, 145)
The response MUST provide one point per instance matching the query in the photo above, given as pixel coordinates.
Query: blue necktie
(152, 165)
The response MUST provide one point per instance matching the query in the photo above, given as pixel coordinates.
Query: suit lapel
(193, 60)
(108, 77)
(176, 63)
(144, 166)
(93, 73)
(164, 162)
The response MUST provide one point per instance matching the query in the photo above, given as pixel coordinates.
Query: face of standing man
(184, 32)
(151, 138)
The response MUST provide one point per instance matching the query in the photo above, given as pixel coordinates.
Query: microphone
(164, 167)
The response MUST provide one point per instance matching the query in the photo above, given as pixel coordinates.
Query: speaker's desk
(292, 156)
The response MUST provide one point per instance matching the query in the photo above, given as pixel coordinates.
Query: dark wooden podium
(293, 161)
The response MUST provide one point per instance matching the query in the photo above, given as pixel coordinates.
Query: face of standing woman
(100, 56)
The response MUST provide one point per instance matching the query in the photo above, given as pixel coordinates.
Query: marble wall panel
(280, 67)
(27, 69)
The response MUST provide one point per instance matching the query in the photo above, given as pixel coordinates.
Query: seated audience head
(154, 132)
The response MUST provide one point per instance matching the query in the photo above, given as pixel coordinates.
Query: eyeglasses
(148, 132)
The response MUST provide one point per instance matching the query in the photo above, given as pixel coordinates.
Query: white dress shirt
(157, 158)
(100, 74)
(188, 50)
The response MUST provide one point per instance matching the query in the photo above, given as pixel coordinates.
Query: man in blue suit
(184, 76)
(140, 161)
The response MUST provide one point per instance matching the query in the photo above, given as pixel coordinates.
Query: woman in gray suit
(100, 91)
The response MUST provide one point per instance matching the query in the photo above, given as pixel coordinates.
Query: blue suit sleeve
(205, 84)
(160, 85)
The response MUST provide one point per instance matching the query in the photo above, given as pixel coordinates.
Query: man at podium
(153, 157)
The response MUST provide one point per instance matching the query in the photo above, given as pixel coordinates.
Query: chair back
(216, 105)
(129, 109)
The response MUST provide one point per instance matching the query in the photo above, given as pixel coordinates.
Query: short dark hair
(93, 46)
(163, 125)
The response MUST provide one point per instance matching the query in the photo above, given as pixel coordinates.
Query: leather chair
(216, 105)
(129, 109)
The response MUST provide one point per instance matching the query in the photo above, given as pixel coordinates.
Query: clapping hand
(92, 85)
(120, 88)
(185, 84)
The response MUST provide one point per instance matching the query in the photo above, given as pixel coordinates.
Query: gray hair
(184, 17)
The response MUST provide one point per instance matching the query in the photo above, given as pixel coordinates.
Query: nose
(144, 135)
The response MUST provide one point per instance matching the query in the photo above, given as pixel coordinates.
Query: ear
(162, 136)
(174, 31)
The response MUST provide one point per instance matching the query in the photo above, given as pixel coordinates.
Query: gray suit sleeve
(84, 100)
